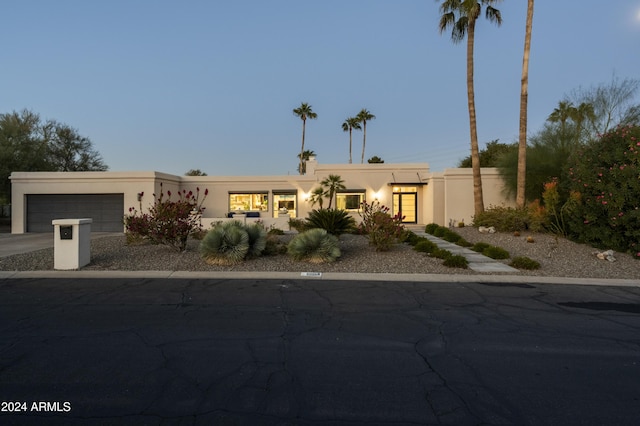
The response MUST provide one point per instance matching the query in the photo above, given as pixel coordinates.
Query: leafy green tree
(524, 97)
(363, 116)
(375, 160)
(489, 156)
(305, 157)
(195, 172)
(547, 153)
(29, 144)
(461, 16)
(332, 185)
(348, 126)
(304, 112)
(70, 152)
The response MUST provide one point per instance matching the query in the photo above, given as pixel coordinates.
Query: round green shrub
(411, 237)
(463, 243)
(225, 244)
(441, 253)
(522, 262)
(496, 252)
(456, 261)
(450, 236)
(504, 219)
(430, 228)
(274, 246)
(439, 231)
(425, 246)
(315, 246)
(479, 247)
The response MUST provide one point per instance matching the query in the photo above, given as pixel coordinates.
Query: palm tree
(561, 114)
(305, 157)
(579, 114)
(375, 160)
(304, 111)
(524, 95)
(363, 116)
(332, 184)
(317, 196)
(461, 17)
(348, 126)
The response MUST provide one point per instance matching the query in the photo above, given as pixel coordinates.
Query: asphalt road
(310, 352)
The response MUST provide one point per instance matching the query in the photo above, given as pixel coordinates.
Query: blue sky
(171, 86)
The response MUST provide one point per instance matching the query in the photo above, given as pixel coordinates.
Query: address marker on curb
(311, 274)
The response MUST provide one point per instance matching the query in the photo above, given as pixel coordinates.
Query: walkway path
(477, 262)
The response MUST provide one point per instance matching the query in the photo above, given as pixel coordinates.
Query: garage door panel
(106, 210)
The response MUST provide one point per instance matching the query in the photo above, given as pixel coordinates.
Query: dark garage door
(106, 210)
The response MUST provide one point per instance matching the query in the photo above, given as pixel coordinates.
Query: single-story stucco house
(411, 189)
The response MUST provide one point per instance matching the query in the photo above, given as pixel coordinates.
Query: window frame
(292, 212)
(263, 194)
(362, 197)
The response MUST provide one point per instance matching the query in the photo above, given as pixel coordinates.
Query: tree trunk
(302, 171)
(478, 202)
(364, 139)
(350, 130)
(524, 95)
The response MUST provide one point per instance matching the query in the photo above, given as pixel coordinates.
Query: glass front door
(405, 203)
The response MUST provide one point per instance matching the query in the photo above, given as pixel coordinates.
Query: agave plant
(315, 246)
(225, 244)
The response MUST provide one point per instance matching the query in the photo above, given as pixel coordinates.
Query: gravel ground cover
(560, 258)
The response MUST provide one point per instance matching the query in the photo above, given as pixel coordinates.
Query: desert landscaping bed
(558, 257)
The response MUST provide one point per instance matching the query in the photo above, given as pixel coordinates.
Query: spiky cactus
(315, 246)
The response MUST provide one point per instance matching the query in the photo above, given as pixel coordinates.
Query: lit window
(249, 201)
(284, 202)
(350, 200)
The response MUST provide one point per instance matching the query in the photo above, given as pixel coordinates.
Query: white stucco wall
(442, 196)
(458, 193)
(127, 183)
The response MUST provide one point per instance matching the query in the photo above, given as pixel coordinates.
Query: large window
(350, 200)
(284, 202)
(249, 201)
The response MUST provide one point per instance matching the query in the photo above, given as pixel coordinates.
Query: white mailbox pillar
(71, 243)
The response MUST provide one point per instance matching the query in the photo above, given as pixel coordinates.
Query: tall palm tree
(348, 126)
(308, 153)
(332, 184)
(304, 111)
(461, 17)
(524, 95)
(363, 116)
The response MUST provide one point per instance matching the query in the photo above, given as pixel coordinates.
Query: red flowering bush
(382, 229)
(605, 178)
(167, 222)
